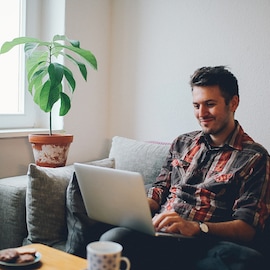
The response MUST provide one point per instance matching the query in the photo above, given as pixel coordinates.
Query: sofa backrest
(146, 158)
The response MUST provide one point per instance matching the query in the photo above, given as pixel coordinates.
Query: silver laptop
(116, 197)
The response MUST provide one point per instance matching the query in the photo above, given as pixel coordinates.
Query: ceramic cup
(105, 255)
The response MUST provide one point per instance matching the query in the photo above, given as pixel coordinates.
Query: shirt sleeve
(253, 204)
(161, 186)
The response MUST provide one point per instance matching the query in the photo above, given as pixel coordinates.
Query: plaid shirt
(205, 183)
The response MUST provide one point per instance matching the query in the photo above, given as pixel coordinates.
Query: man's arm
(236, 230)
(154, 206)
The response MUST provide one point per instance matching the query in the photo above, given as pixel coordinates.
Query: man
(213, 188)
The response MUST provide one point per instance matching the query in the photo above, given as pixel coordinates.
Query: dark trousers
(203, 253)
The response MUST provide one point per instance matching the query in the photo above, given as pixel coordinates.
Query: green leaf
(37, 71)
(70, 79)
(45, 88)
(65, 104)
(80, 65)
(38, 57)
(49, 95)
(85, 54)
(59, 37)
(74, 43)
(56, 50)
(35, 82)
(83, 70)
(7, 46)
(30, 49)
(56, 73)
(54, 96)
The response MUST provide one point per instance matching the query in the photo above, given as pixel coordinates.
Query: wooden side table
(54, 259)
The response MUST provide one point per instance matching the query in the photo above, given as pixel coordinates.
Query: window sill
(23, 132)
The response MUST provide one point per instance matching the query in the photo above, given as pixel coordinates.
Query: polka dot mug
(105, 255)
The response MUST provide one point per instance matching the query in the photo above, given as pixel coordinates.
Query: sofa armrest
(12, 211)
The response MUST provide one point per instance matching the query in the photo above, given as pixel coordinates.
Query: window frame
(35, 25)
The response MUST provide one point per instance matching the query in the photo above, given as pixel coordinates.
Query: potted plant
(46, 75)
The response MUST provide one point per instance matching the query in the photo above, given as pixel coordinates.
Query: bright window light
(11, 64)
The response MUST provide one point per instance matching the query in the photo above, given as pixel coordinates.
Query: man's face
(214, 116)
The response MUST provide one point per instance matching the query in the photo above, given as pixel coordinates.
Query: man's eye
(210, 104)
(196, 106)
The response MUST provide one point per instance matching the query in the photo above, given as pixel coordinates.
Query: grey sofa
(45, 206)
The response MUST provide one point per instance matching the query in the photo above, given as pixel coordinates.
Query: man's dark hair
(220, 76)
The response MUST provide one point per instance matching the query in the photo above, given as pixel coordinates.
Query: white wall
(146, 51)
(89, 22)
(158, 44)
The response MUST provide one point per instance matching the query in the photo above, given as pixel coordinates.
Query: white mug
(105, 255)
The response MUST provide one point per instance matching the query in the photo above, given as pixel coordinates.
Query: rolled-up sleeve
(253, 205)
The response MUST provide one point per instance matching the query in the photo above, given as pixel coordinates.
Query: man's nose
(203, 111)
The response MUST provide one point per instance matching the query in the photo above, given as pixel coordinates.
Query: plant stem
(50, 123)
(50, 60)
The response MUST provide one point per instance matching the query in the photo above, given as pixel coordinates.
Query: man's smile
(206, 120)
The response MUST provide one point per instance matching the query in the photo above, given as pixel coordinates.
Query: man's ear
(234, 103)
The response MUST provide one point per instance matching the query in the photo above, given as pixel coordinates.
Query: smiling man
(214, 113)
(214, 188)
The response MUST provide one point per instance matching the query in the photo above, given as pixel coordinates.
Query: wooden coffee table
(54, 259)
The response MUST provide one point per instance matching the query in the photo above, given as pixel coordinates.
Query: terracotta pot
(50, 150)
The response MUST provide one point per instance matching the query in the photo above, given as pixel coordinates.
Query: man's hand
(235, 230)
(171, 222)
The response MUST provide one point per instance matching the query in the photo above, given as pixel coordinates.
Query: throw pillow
(81, 229)
(45, 204)
(146, 158)
(12, 211)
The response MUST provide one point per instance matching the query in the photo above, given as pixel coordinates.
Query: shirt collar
(234, 140)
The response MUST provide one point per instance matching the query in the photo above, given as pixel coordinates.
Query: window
(11, 25)
(24, 18)
(12, 98)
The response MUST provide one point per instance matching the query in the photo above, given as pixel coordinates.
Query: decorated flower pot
(50, 150)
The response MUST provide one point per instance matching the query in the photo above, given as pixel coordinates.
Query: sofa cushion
(81, 229)
(146, 158)
(45, 204)
(12, 211)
